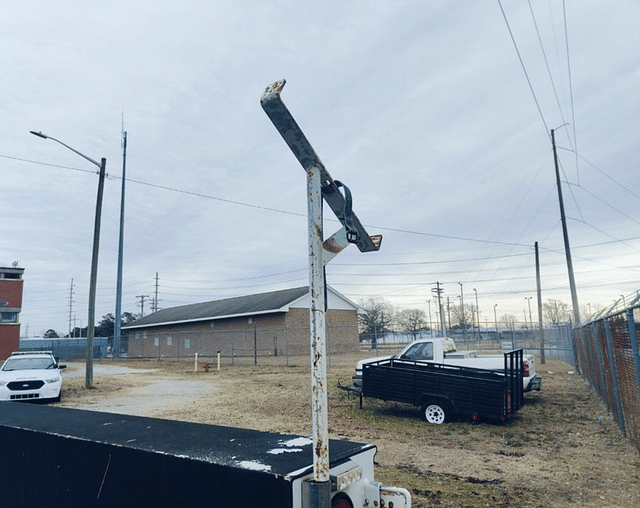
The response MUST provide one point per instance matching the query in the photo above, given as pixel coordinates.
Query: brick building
(274, 323)
(10, 306)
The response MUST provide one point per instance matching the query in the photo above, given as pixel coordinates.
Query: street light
(94, 258)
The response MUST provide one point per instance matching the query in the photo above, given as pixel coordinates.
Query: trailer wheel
(436, 412)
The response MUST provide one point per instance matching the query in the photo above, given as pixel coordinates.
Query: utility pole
(528, 299)
(117, 333)
(463, 320)
(538, 285)
(437, 291)
(70, 306)
(154, 302)
(565, 234)
(477, 313)
(142, 297)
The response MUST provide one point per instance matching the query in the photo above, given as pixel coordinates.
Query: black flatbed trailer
(55, 456)
(446, 392)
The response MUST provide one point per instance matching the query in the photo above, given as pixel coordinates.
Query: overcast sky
(437, 118)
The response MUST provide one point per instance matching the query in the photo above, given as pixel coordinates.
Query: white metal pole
(317, 329)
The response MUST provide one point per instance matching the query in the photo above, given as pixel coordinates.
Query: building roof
(263, 303)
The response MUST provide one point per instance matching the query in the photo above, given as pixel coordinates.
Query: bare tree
(555, 311)
(464, 317)
(411, 320)
(377, 318)
(510, 321)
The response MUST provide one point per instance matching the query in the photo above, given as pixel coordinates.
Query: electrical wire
(573, 110)
(524, 69)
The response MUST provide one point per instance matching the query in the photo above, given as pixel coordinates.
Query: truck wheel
(435, 412)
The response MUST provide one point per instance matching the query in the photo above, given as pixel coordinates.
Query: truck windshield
(420, 351)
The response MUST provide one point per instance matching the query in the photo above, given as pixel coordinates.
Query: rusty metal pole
(320, 420)
(320, 187)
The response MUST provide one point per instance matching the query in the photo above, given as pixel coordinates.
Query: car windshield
(33, 363)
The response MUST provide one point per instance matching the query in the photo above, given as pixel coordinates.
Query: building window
(187, 343)
(9, 317)
(169, 340)
(250, 320)
(144, 334)
(156, 341)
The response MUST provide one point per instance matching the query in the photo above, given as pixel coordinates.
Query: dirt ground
(562, 449)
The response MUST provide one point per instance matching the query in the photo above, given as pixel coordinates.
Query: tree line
(105, 328)
(380, 317)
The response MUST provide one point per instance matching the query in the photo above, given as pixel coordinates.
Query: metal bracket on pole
(320, 186)
(304, 152)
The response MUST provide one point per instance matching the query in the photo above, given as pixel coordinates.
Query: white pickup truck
(443, 350)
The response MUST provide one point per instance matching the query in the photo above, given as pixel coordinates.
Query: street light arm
(44, 136)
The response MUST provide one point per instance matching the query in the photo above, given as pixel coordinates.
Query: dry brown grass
(561, 450)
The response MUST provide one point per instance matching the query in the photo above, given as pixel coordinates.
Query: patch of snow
(254, 466)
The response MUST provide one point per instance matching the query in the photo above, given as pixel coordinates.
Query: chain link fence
(69, 349)
(240, 346)
(607, 354)
(556, 341)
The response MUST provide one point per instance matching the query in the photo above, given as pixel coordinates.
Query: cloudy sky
(437, 118)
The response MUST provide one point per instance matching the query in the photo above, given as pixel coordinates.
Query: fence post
(600, 387)
(255, 344)
(633, 338)
(614, 377)
(589, 373)
(286, 344)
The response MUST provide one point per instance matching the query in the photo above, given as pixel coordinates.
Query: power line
(573, 111)
(546, 61)
(40, 163)
(270, 209)
(635, 195)
(524, 69)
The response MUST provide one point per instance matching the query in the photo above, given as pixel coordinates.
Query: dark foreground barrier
(52, 456)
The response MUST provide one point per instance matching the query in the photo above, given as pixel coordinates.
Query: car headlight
(54, 380)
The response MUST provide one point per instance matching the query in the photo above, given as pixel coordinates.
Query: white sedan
(31, 375)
